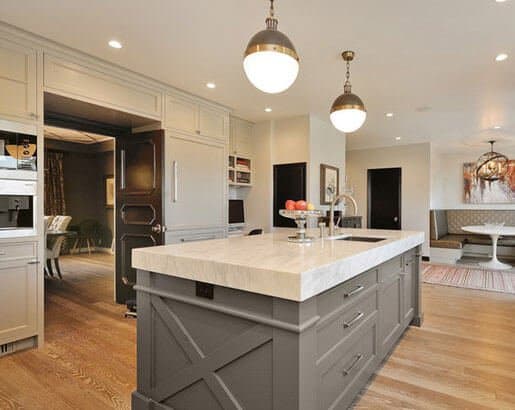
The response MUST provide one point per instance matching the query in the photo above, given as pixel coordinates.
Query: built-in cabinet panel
(18, 291)
(195, 235)
(195, 191)
(17, 81)
(191, 116)
(91, 85)
(240, 138)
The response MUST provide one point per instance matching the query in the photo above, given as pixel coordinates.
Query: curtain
(54, 184)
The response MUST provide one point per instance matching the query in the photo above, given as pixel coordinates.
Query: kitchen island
(261, 323)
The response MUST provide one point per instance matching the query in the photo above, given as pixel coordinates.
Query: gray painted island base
(210, 347)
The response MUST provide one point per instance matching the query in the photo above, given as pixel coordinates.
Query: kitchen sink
(360, 239)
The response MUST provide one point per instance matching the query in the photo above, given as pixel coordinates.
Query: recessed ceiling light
(210, 85)
(501, 57)
(268, 109)
(500, 1)
(389, 114)
(398, 138)
(497, 127)
(115, 44)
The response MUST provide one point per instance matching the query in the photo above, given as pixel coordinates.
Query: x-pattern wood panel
(204, 367)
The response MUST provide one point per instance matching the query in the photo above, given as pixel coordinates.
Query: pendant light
(348, 112)
(492, 166)
(271, 62)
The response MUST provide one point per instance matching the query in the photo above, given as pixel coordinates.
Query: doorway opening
(289, 183)
(102, 198)
(384, 198)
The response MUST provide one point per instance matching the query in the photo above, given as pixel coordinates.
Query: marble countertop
(270, 265)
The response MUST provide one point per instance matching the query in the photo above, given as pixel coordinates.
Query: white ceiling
(429, 62)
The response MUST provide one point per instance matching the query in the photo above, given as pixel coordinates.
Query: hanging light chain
(347, 86)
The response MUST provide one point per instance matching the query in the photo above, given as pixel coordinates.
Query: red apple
(301, 205)
(289, 205)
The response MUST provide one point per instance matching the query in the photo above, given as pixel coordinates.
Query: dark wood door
(289, 183)
(384, 198)
(138, 203)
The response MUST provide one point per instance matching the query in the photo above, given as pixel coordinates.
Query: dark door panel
(384, 198)
(289, 183)
(138, 203)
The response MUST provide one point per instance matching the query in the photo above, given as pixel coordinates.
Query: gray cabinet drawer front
(345, 293)
(342, 325)
(21, 250)
(339, 381)
(390, 268)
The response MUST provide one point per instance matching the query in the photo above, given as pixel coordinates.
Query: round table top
(490, 230)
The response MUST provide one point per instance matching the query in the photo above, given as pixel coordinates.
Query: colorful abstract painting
(478, 191)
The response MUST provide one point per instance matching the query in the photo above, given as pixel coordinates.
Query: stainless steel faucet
(334, 202)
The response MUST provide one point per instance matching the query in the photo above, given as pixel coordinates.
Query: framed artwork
(329, 183)
(478, 191)
(109, 191)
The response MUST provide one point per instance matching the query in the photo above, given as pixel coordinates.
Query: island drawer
(19, 250)
(339, 325)
(348, 368)
(346, 293)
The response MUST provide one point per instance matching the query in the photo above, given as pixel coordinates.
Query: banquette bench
(448, 240)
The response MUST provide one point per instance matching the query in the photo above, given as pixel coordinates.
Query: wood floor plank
(462, 358)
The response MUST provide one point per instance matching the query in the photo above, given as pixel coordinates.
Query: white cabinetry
(17, 81)
(18, 291)
(240, 138)
(190, 116)
(93, 85)
(195, 178)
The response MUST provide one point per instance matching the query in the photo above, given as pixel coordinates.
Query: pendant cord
(272, 11)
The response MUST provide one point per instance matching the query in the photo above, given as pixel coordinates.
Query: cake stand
(300, 218)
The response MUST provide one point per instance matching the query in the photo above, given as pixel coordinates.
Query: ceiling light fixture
(389, 114)
(348, 112)
(497, 127)
(210, 85)
(501, 57)
(115, 44)
(492, 166)
(268, 109)
(270, 60)
(398, 138)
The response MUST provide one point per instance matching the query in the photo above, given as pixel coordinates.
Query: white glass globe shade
(270, 71)
(348, 120)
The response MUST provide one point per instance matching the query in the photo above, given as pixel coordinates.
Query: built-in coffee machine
(18, 151)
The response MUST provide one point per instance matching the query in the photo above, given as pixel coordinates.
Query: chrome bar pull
(354, 291)
(354, 320)
(122, 168)
(175, 181)
(357, 359)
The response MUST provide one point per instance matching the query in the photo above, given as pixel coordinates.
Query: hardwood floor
(462, 358)
(89, 359)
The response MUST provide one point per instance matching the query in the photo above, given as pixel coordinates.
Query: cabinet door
(17, 81)
(196, 178)
(213, 123)
(243, 132)
(408, 292)
(18, 293)
(390, 315)
(182, 115)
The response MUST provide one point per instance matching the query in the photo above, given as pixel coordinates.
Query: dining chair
(53, 250)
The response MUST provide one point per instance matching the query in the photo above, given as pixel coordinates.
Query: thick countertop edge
(275, 282)
(375, 257)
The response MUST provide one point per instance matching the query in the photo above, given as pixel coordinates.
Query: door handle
(395, 219)
(157, 228)
(122, 168)
(175, 181)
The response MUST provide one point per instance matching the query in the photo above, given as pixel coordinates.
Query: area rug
(471, 278)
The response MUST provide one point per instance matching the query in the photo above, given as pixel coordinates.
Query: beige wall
(416, 181)
(297, 139)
